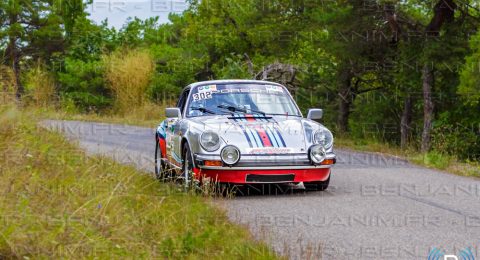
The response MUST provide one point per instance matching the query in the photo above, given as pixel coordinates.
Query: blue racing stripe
(255, 134)
(257, 137)
(246, 135)
(277, 137)
(252, 134)
(280, 136)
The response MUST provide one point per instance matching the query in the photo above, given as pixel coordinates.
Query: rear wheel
(317, 185)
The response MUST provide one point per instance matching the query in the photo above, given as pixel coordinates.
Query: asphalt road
(377, 207)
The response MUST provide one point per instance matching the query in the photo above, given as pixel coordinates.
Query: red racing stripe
(263, 136)
(163, 147)
(249, 117)
(261, 132)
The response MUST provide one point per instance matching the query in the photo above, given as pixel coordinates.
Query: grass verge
(433, 159)
(58, 203)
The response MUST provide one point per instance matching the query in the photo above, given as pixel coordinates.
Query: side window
(183, 100)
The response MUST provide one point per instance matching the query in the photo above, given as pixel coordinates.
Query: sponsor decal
(268, 150)
(208, 88)
(274, 89)
(162, 130)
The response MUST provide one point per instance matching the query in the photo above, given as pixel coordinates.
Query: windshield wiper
(240, 109)
(203, 110)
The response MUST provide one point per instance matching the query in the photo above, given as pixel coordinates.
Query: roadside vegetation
(432, 159)
(58, 203)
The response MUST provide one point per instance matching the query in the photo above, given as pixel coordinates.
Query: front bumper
(245, 176)
(264, 169)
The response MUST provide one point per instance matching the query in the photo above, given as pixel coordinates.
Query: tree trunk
(405, 122)
(428, 84)
(14, 59)
(444, 11)
(345, 101)
(16, 70)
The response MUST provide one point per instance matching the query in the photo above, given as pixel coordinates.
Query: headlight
(323, 137)
(230, 155)
(317, 153)
(210, 141)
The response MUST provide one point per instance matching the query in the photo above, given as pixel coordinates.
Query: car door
(174, 135)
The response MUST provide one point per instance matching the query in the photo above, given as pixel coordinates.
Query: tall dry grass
(7, 85)
(128, 73)
(40, 84)
(57, 203)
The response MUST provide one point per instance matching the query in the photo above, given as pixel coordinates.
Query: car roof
(230, 81)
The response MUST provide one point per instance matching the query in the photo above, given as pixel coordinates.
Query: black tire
(317, 185)
(160, 167)
(187, 168)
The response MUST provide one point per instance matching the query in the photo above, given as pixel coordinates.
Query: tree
(30, 28)
(444, 12)
(81, 72)
(363, 55)
(71, 11)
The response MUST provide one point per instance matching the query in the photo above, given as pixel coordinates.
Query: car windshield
(238, 99)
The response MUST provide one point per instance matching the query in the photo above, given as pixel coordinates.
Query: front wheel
(317, 185)
(187, 168)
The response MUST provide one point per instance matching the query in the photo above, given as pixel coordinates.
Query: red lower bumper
(240, 176)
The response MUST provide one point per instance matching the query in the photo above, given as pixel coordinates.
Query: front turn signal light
(328, 162)
(213, 163)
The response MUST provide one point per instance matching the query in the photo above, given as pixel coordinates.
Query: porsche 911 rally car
(243, 132)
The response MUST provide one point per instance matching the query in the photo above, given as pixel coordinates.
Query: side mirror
(173, 112)
(315, 113)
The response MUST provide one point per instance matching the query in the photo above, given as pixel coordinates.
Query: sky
(118, 11)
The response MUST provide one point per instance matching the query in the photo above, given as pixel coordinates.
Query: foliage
(81, 73)
(469, 86)
(83, 84)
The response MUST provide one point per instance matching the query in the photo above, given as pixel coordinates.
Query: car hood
(261, 135)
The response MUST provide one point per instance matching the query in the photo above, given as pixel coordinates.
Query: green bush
(460, 141)
(436, 159)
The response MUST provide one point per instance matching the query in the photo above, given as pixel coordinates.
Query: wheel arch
(182, 146)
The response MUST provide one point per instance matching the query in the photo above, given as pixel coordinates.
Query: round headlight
(210, 141)
(230, 155)
(317, 153)
(323, 137)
